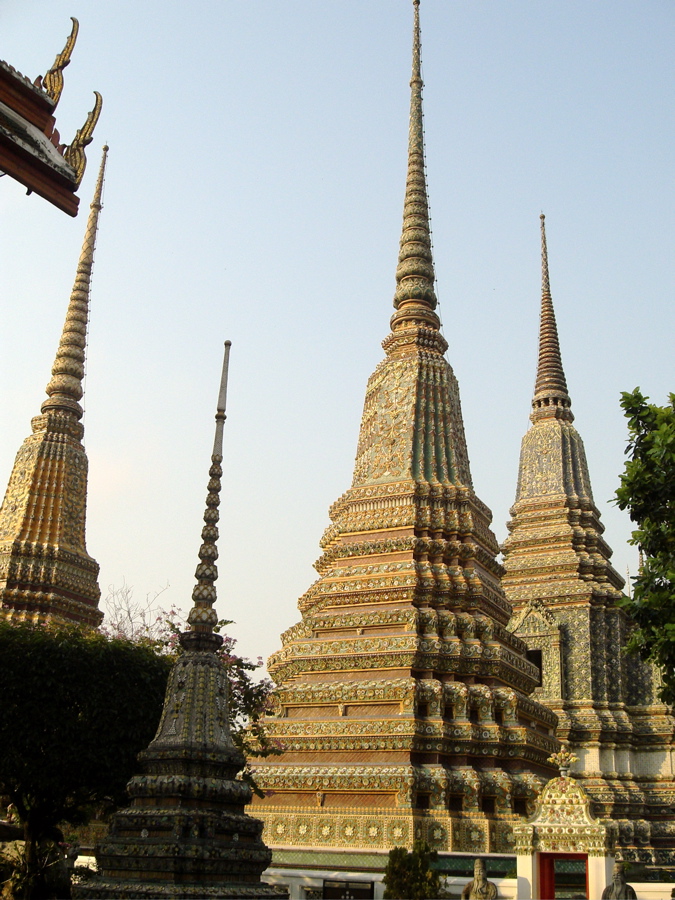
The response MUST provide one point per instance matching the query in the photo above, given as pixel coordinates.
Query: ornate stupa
(564, 591)
(45, 570)
(403, 701)
(186, 833)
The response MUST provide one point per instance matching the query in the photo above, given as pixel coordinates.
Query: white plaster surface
(652, 762)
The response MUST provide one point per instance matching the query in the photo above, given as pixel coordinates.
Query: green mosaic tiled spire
(202, 616)
(186, 833)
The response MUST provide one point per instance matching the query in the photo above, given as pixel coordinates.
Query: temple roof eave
(22, 85)
(32, 142)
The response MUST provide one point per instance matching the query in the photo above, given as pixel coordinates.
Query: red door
(563, 875)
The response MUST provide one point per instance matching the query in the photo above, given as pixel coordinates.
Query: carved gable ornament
(538, 627)
(534, 618)
(562, 823)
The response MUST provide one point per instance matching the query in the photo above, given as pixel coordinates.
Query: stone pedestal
(186, 833)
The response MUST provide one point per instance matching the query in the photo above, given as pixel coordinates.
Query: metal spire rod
(222, 400)
(545, 283)
(203, 616)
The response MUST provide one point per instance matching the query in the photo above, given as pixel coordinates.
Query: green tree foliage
(408, 875)
(647, 491)
(249, 701)
(76, 707)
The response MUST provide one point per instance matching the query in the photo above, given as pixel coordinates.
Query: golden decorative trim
(52, 83)
(74, 154)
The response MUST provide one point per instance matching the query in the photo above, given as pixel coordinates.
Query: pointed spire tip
(550, 391)
(415, 272)
(545, 283)
(65, 387)
(203, 617)
(222, 395)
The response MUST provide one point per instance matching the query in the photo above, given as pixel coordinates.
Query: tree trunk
(31, 861)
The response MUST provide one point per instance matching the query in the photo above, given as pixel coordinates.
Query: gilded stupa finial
(52, 83)
(415, 270)
(551, 398)
(65, 388)
(203, 616)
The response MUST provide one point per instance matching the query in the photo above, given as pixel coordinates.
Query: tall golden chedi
(402, 704)
(564, 591)
(45, 570)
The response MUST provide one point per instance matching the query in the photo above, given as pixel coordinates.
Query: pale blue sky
(254, 192)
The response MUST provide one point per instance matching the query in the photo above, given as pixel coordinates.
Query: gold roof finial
(203, 616)
(550, 390)
(65, 386)
(415, 270)
(52, 83)
(74, 154)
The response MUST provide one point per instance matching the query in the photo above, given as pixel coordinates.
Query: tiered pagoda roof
(565, 595)
(403, 705)
(45, 570)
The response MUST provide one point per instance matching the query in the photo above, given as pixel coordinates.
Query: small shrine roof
(563, 823)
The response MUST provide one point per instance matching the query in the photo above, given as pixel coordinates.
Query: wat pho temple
(427, 684)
